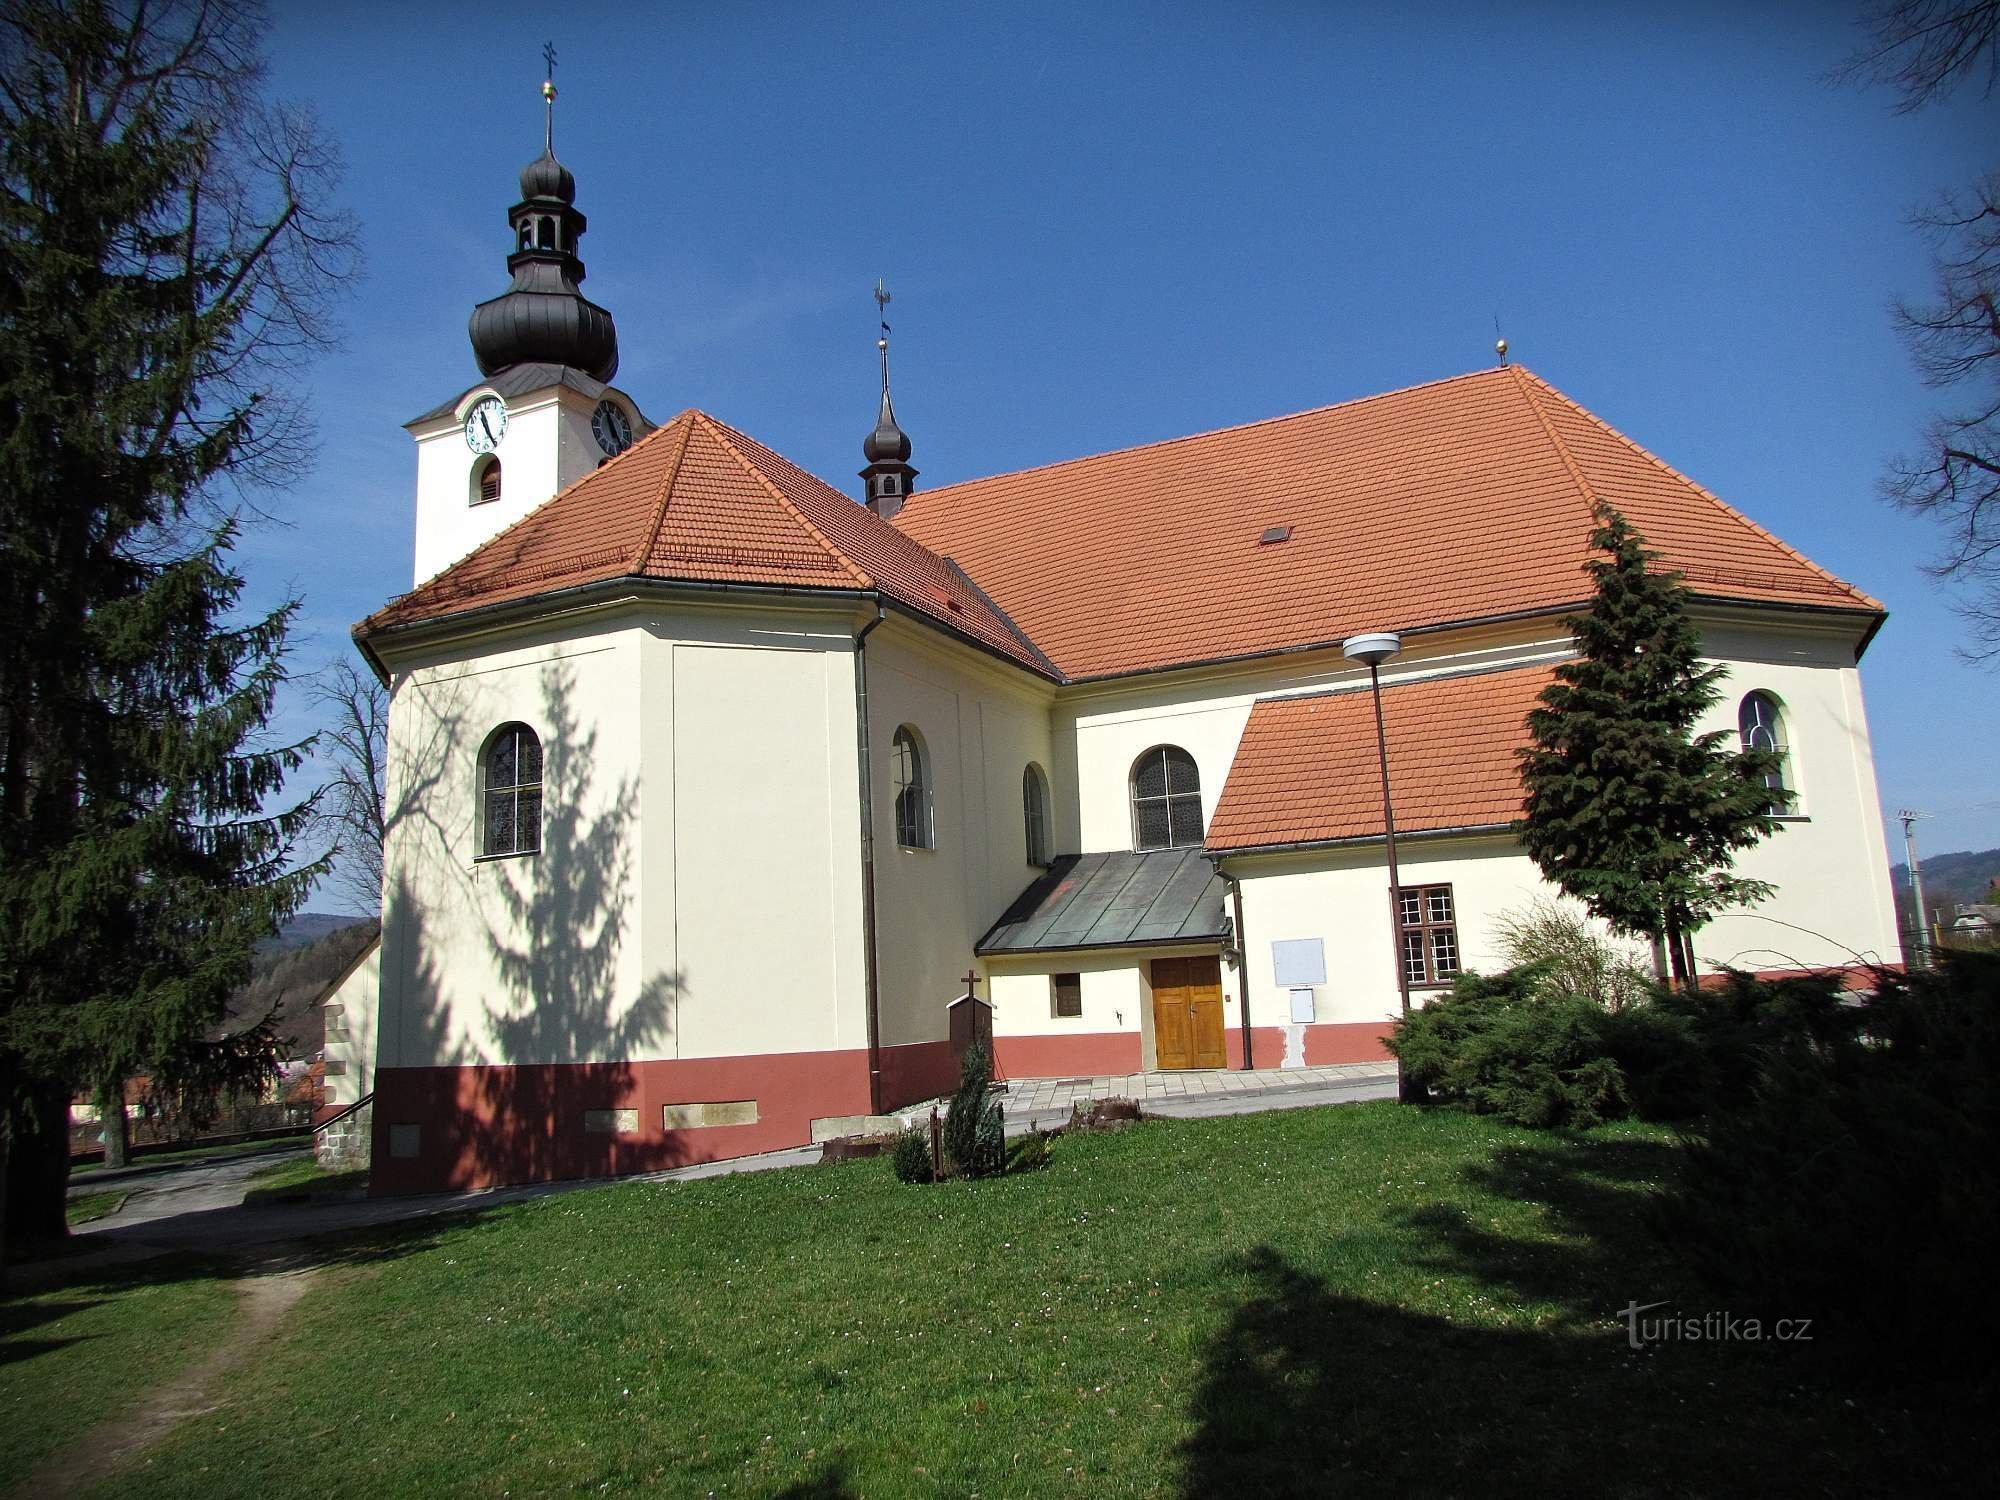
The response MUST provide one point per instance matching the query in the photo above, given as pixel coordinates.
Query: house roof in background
(1307, 769)
(696, 500)
(1458, 500)
(1114, 900)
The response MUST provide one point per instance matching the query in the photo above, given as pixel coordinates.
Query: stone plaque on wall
(702, 1116)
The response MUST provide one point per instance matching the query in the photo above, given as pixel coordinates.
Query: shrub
(1030, 1153)
(1855, 1179)
(975, 1134)
(1736, 1027)
(1493, 1046)
(913, 1155)
(1572, 959)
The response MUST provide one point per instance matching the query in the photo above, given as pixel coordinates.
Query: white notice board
(1298, 961)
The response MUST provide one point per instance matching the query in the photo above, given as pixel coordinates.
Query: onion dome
(888, 443)
(545, 177)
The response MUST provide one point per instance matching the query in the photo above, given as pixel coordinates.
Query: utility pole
(1923, 954)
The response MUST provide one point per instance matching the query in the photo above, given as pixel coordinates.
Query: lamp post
(1374, 649)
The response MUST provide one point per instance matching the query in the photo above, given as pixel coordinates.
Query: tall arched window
(1166, 799)
(1762, 725)
(912, 776)
(1035, 812)
(513, 776)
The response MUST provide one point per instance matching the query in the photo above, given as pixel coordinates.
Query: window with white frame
(1761, 723)
(1166, 800)
(512, 773)
(912, 779)
(1035, 814)
(1429, 933)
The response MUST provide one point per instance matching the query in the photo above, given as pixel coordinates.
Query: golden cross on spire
(549, 98)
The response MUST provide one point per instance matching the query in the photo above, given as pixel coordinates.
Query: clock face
(612, 426)
(485, 425)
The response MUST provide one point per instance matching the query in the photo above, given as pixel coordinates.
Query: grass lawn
(73, 1355)
(87, 1207)
(1360, 1300)
(302, 1180)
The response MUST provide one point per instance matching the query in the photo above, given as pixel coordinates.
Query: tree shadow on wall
(1309, 1390)
(560, 1027)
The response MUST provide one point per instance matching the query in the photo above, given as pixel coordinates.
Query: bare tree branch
(1923, 49)
(352, 819)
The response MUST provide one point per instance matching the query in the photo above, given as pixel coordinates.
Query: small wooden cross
(972, 983)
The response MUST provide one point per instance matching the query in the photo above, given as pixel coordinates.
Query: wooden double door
(1187, 1013)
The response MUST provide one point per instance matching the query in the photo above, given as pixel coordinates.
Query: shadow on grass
(1309, 1389)
(829, 1484)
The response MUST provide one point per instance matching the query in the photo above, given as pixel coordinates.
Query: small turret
(888, 479)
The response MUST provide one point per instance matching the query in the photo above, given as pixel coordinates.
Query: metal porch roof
(1114, 900)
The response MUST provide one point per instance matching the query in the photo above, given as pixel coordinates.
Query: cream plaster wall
(1830, 864)
(1116, 987)
(548, 444)
(1341, 896)
(350, 1031)
(731, 927)
(980, 724)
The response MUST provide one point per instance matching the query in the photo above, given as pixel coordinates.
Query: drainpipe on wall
(1242, 962)
(864, 755)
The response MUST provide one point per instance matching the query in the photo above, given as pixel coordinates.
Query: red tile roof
(1307, 769)
(698, 501)
(1465, 498)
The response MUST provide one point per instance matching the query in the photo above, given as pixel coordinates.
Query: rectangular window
(1066, 995)
(1429, 934)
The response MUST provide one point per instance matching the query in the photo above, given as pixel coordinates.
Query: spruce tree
(1628, 808)
(162, 261)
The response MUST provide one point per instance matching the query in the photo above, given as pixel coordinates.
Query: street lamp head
(1372, 649)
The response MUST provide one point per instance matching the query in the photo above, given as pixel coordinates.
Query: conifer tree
(163, 262)
(1628, 808)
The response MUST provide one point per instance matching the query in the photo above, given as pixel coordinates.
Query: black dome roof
(545, 177)
(557, 328)
(888, 443)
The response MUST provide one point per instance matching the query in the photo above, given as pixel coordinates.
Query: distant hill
(307, 928)
(1949, 879)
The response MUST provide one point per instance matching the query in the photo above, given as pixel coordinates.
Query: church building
(711, 783)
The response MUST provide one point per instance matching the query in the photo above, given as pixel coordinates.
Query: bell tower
(545, 414)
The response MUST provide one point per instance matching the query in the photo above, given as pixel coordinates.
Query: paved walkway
(1037, 1094)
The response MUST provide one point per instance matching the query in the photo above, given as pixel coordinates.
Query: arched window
(913, 791)
(527, 235)
(512, 772)
(1035, 812)
(545, 233)
(485, 481)
(1762, 724)
(1166, 799)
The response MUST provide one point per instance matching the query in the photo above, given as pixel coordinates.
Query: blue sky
(1109, 224)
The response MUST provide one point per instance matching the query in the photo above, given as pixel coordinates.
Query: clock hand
(486, 422)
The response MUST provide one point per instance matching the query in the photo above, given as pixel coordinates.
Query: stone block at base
(833, 1127)
(345, 1145)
